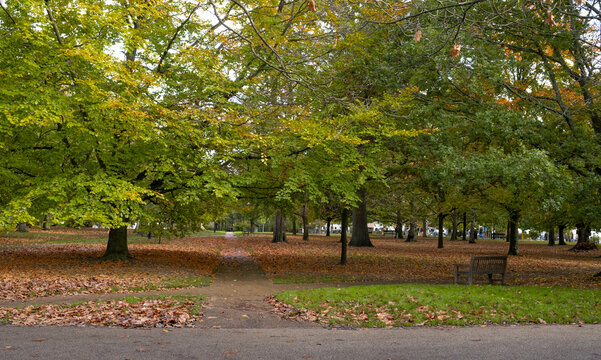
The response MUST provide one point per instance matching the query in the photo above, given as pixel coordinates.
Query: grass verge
(418, 304)
(313, 278)
(173, 283)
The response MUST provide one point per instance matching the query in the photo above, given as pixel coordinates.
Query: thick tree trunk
(294, 229)
(215, 226)
(583, 233)
(441, 217)
(464, 235)
(279, 228)
(424, 228)
(584, 242)
(411, 236)
(472, 230)
(454, 222)
(343, 240)
(360, 236)
(514, 217)
(22, 227)
(508, 231)
(328, 223)
(398, 229)
(305, 224)
(252, 225)
(562, 230)
(116, 248)
(552, 236)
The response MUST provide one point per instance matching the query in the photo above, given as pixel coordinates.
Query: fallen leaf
(229, 353)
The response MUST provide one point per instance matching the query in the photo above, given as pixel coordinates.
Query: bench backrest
(495, 264)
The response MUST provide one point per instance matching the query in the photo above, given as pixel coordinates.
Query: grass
(313, 278)
(174, 283)
(418, 304)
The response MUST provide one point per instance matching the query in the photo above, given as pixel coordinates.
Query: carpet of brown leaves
(34, 270)
(397, 261)
(148, 313)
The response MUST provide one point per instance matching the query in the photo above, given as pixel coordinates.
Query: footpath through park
(239, 323)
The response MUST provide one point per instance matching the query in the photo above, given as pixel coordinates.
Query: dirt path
(236, 298)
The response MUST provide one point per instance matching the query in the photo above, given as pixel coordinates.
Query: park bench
(386, 232)
(482, 265)
(245, 231)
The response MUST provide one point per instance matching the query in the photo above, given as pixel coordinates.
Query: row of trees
(174, 112)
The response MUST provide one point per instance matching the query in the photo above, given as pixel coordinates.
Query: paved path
(495, 342)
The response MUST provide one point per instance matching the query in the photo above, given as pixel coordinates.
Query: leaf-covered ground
(164, 312)
(419, 305)
(36, 268)
(397, 261)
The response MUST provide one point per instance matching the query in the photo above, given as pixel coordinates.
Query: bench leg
(469, 278)
(490, 278)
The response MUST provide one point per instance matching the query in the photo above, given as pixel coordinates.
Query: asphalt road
(493, 342)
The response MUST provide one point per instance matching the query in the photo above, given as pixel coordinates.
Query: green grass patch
(418, 304)
(174, 283)
(300, 278)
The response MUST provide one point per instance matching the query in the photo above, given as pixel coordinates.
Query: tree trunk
(343, 241)
(464, 236)
(552, 236)
(411, 236)
(279, 228)
(305, 224)
(22, 227)
(294, 229)
(46, 222)
(424, 228)
(584, 243)
(116, 248)
(472, 230)
(583, 234)
(398, 229)
(561, 230)
(360, 236)
(454, 222)
(252, 225)
(514, 217)
(215, 226)
(508, 231)
(329, 222)
(441, 217)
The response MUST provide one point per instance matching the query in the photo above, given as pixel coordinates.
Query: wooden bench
(482, 265)
(245, 231)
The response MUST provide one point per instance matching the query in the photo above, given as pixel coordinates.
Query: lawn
(420, 304)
